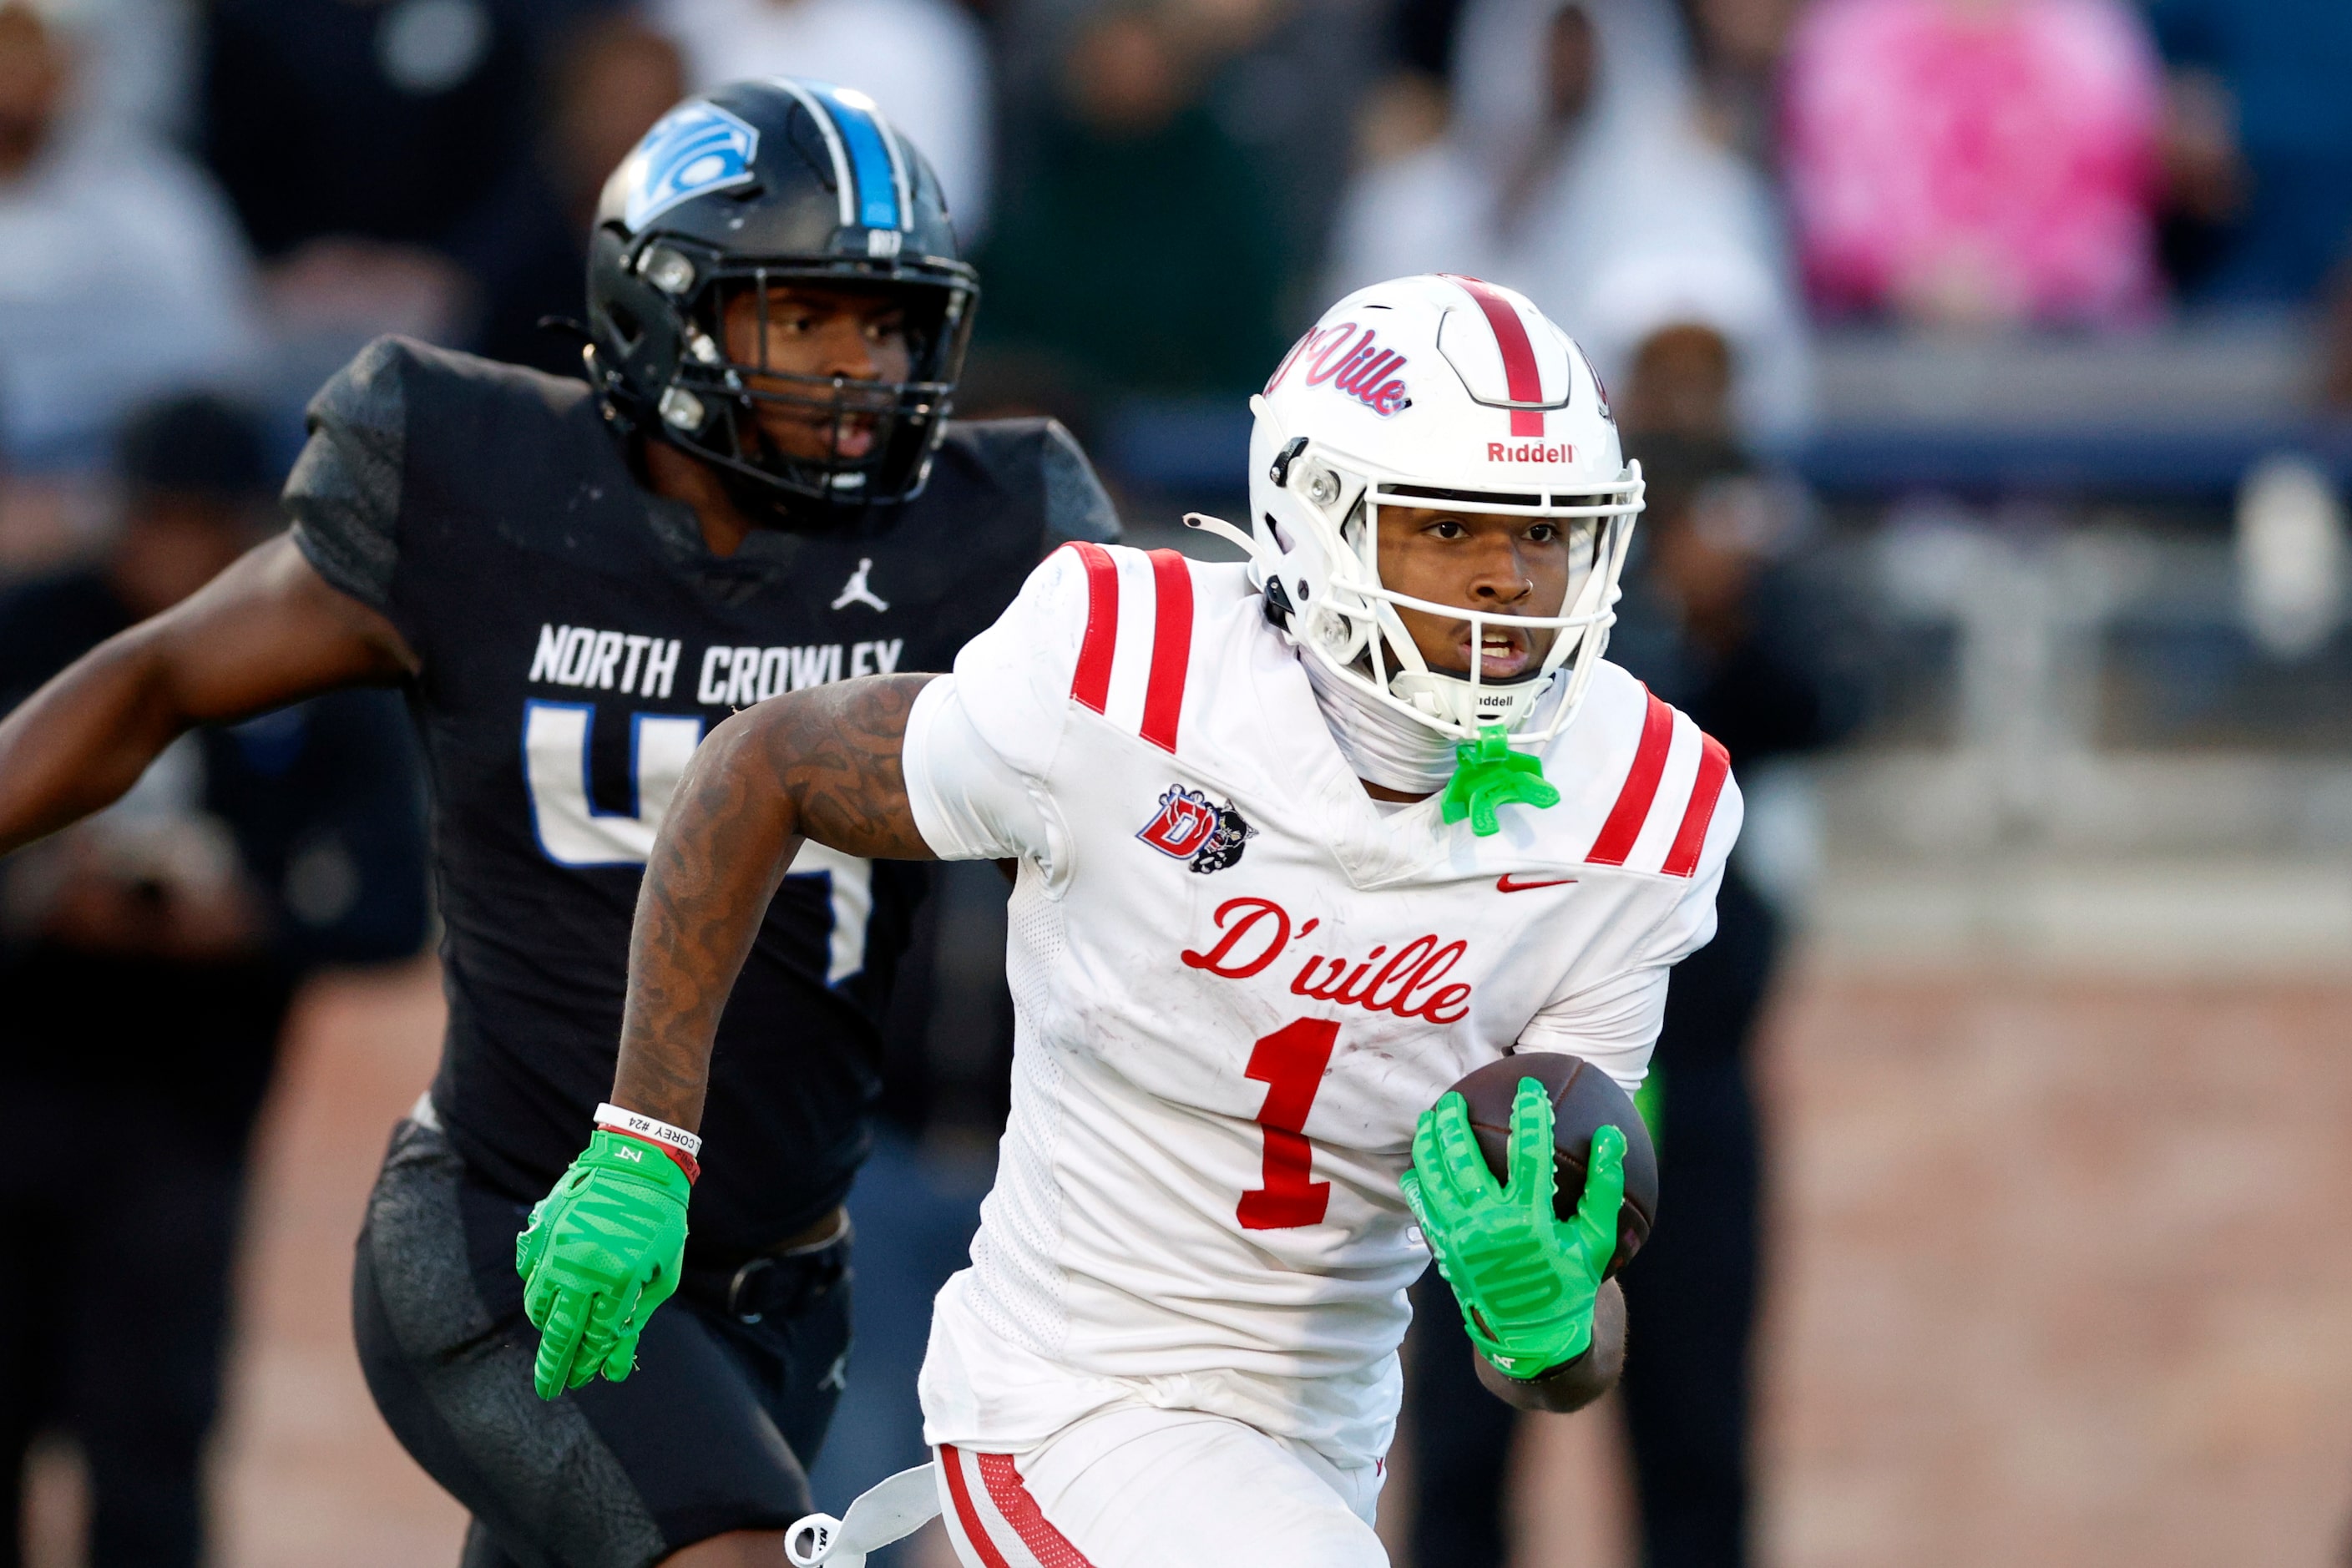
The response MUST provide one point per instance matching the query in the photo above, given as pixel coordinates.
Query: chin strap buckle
(1279, 469)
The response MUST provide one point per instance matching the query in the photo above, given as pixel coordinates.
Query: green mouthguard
(1487, 775)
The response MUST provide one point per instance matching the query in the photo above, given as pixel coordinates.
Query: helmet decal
(1357, 366)
(694, 148)
(1520, 372)
(1530, 452)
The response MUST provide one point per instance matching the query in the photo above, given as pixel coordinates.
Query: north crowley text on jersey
(730, 677)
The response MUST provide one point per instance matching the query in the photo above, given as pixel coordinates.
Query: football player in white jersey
(1299, 843)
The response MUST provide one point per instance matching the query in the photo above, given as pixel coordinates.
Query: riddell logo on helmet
(1355, 366)
(1529, 452)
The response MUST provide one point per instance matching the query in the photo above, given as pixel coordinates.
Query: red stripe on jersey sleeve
(1519, 374)
(1171, 648)
(951, 1464)
(1091, 685)
(1714, 764)
(1632, 808)
(1048, 1546)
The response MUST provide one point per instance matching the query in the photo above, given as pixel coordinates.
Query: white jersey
(1239, 981)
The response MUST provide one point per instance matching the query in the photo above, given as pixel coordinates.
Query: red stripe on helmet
(1524, 381)
(1091, 685)
(1714, 764)
(1171, 648)
(1632, 808)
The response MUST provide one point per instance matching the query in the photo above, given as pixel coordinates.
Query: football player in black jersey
(758, 490)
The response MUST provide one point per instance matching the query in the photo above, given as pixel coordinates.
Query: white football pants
(1137, 1487)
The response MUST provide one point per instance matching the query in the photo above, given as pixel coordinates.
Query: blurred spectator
(1977, 161)
(1135, 245)
(124, 272)
(1680, 384)
(923, 61)
(609, 80)
(1738, 45)
(148, 961)
(135, 65)
(1288, 80)
(1422, 36)
(2260, 142)
(1716, 622)
(1575, 171)
(367, 147)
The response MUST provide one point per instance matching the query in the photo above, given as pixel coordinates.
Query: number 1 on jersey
(1290, 1063)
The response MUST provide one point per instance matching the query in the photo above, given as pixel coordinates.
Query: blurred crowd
(1160, 192)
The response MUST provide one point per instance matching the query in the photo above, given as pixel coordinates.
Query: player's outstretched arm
(265, 632)
(604, 1250)
(821, 763)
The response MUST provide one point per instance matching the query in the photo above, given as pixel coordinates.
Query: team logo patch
(694, 148)
(1192, 827)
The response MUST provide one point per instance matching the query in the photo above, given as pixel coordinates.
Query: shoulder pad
(1039, 463)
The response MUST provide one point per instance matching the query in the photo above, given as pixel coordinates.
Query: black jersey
(577, 639)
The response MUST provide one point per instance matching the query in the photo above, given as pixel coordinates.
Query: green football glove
(1527, 1279)
(601, 1251)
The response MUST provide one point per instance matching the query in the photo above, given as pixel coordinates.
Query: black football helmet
(750, 184)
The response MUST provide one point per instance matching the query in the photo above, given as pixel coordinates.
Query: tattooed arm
(821, 763)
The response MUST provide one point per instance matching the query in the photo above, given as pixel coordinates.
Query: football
(1583, 1100)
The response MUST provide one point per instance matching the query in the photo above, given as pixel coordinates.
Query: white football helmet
(1435, 391)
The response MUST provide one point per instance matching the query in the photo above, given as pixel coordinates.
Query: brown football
(1583, 1100)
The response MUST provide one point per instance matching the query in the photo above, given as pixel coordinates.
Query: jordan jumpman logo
(856, 592)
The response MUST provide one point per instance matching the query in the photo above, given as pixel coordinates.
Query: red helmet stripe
(1519, 374)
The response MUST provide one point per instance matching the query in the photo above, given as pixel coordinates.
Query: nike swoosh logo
(1504, 884)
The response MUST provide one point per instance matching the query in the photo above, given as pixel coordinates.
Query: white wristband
(610, 1115)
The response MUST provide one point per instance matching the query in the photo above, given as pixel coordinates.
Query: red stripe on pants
(951, 1463)
(1048, 1546)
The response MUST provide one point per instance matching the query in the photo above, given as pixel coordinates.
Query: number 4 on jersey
(1290, 1063)
(573, 830)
